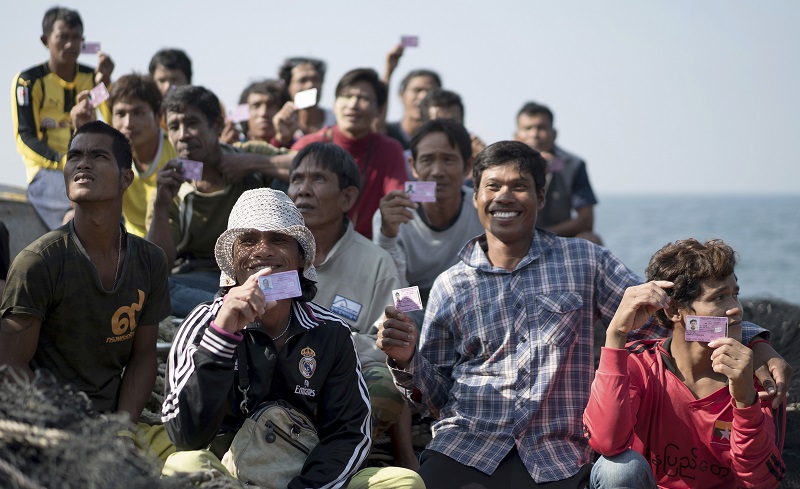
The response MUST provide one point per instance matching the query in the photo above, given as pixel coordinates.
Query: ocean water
(764, 231)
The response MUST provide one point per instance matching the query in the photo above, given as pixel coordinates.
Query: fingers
(782, 373)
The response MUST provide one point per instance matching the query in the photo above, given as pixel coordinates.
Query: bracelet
(757, 341)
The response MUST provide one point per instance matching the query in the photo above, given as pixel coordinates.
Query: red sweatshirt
(638, 402)
(380, 163)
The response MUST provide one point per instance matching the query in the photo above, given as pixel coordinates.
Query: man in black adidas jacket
(295, 351)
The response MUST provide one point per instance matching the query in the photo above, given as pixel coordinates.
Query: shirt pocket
(559, 317)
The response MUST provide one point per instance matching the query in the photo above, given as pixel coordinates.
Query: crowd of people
(171, 205)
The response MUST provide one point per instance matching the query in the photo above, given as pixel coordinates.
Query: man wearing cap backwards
(266, 235)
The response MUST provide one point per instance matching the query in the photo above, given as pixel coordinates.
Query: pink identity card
(90, 48)
(706, 328)
(283, 285)
(98, 95)
(409, 41)
(192, 170)
(240, 113)
(407, 299)
(421, 191)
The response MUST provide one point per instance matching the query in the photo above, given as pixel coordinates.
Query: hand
(394, 208)
(105, 66)
(286, 124)
(230, 133)
(735, 361)
(637, 305)
(773, 373)
(397, 337)
(243, 304)
(168, 181)
(392, 60)
(82, 112)
(235, 166)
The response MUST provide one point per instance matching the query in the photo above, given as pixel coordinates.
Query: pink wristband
(233, 336)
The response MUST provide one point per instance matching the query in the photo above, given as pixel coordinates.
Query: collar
(474, 255)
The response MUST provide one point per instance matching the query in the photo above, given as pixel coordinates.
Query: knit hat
(264, 209)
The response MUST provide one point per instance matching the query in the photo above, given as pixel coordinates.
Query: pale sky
(658, 97)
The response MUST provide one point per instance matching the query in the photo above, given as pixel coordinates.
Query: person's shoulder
(33, 73)
(149, 248)
(314, 137)
(313, 316)
(55, 238)
(85, 69)
(367, 247)
(388, 142)
(569, 157)
(227, 148)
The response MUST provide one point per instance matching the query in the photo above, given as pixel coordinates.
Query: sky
(671, 97)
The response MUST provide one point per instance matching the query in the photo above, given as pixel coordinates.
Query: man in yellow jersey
(42, 97)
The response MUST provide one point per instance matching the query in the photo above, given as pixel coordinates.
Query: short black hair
(285, 71)
(273, 88)
(417, 73)
(135, 86)
(70, 17)
(532, 108)
(526, 159)
(439, 97)
(120, 145)
(457, 136)
(195, 96)
(332, 158)
(367, 75)
(173, 59)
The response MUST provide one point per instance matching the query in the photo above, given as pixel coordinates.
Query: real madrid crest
(307, 364)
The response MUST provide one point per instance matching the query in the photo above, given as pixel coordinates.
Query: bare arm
(584, 221)
(236, 166)
(168, 182)
(140, 372)
(19, 336)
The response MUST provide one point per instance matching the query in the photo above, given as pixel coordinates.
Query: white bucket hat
(264, 209)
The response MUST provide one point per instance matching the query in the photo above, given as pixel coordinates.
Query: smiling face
(256, 250)
(356, 106)
(719, 298)
(191, 134)
(64, 42)
(91, 172)
(507, 203)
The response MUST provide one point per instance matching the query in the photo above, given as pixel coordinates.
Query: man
(413, 89)
(135, 111)
(84, 301)
(424, 238)
(272, 115)
(569, 201)
(504, 357)
(44, 96)
(360, 97)
(170, 68)
(186, 219)
(444, 104)
(355, 276)
(675, 412)
(299, 74)
(204, 391)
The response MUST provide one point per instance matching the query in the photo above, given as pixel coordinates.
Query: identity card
(282, 285)
(421, 191)
(409, 41)
(98, 95)
(706, 328)
(90, 48)
(192, 170)
(240, 113)
(305, 99)
(407, 299)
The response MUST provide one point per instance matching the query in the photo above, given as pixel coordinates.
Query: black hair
(272, 88)
(285, 71)
(457, 136)
(367, 75)
(532, 108)
(173, 59)
(135, 86)
(119, 143)
(526, 159)
(416, 73)
(439, 97)
(332, 158)
(195, 96)
(70, 17)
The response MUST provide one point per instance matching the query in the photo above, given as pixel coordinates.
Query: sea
(763, 230)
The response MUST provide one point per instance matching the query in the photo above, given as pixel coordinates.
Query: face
(316, 193)
(507, 203)
(91, 173)
(64, 42)
(167, 78)
(355, 109)
(719, 298)
(191, 135)
(452, 112)
(438, 161)
(536, 131)
(305, 77)
(135, 119)
(262, 109)
(257, 250)
(415, 91)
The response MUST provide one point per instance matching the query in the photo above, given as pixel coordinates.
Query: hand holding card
(706, 328)
(192, 170)
(283, 285)
(305, 99)
(421, 191)
(407, 299)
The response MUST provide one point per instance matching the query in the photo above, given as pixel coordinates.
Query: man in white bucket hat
(296, 351)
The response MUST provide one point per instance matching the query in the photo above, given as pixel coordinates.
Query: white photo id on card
(305, 99)
(421, 191)
(407, 299)
(706, 328)
(98, 95)
(192, 170)
(283, 285)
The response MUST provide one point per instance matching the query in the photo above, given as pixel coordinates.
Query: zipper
(272, 430)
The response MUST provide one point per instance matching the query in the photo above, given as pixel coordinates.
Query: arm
(36, 153)
(168, 182)
(772, 371)
(393, 210)
(583, 221)
(105, 66)
(286, 125)
(19, 336)
(82, 112)
(140, 372)
(258, 157)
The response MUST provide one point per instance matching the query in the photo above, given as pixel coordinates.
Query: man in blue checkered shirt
(505, 358)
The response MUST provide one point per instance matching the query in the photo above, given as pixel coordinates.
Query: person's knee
(386, 478)
(192, 461)
(628, 469)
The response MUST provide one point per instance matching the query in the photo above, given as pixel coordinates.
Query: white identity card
(421, 191)
(706, 328)
(407, 299)
(409, 41)
(98, 95)
(283, 285)
(240, 113)
(305, 99)
(90, 48)
(192, 170)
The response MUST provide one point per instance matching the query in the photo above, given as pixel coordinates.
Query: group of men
(500, 356)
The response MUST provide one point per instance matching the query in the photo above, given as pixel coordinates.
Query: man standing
(413, 89)
(84, 301)
(360, 97)
(569, 201)
(44, 96)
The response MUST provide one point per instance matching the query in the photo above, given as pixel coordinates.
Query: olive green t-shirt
(87, 332)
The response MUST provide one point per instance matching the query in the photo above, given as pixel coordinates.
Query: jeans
(628, 470)
(187, 290)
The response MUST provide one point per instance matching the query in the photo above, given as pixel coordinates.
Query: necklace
(286, 328)
(119, 257)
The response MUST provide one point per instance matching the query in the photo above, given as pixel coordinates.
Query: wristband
(757, 341)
